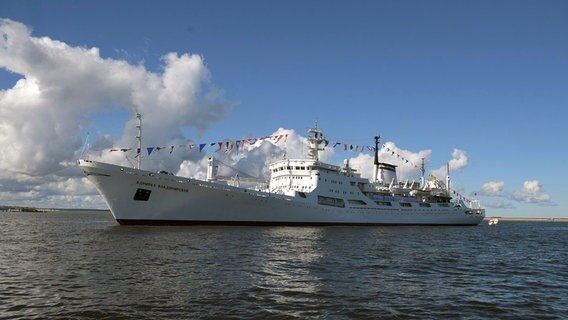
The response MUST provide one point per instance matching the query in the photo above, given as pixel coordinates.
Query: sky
(481, 85)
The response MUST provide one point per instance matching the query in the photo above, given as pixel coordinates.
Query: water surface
(84, 265)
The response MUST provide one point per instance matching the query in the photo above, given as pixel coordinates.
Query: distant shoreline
(528, 219)
(44, 210)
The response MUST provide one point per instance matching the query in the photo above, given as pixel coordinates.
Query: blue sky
(487, 77)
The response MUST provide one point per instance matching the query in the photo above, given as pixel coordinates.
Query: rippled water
(83, 265)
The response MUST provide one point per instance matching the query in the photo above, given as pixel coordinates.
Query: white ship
(300, 192)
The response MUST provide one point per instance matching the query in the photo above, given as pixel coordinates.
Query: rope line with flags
(230, 145)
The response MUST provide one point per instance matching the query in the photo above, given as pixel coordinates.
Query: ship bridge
(299, 177)
(296, 175)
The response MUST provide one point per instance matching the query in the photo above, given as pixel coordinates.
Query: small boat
(493, 222)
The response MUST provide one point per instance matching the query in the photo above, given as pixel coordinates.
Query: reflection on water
(83, 265)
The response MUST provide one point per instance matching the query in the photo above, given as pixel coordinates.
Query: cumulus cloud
(43, 114)
(530, 192)
(492, 189)
(458, 162)
(196, 169)
(73, 191)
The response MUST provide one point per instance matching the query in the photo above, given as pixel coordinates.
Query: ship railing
(259, 190)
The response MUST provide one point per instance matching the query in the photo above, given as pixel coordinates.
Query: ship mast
(376, 163)
(139, 137)
(422, 171)
(448, 179)
(315, 142)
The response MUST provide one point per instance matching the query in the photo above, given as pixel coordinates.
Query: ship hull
(138, 197)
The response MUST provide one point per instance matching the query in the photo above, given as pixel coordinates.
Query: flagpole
(422, 171)
(139, 137)
(448, 179)
(376, 162)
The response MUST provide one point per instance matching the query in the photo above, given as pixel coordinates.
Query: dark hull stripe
(267, 223)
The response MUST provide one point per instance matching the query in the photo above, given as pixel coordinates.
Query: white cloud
(43, 114)
(76, 186)
(363, 163)
(531, 193)
(193, 169)
(71, 189)
(458, 162)
(492, 189)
